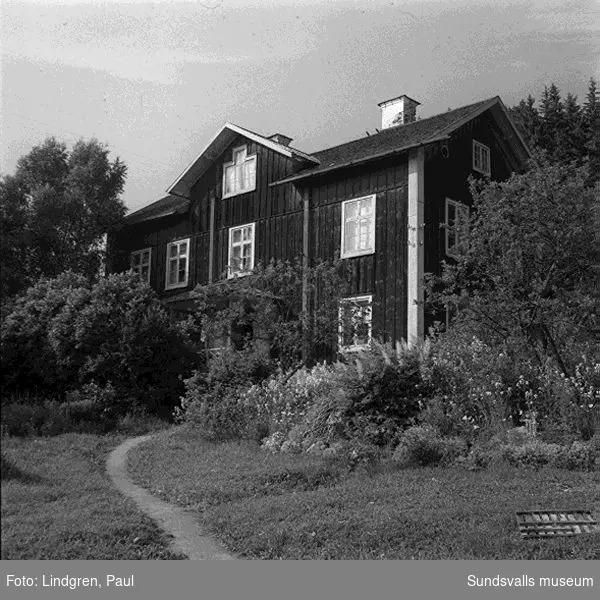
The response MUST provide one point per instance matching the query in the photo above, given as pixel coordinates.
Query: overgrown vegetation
(79, 352)
(521, 350)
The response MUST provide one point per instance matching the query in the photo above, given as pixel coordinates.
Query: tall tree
(566, 131)
(55, 210)
(528, 120)
(591, 127)
(530, 273)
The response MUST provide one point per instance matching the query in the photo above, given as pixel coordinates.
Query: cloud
(125, 60)
(154, 42)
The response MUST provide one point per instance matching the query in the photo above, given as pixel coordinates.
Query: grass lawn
(58, 503)
(300, 507)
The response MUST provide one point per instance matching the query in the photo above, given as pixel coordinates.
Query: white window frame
(138, 268)
(184, 283)
(458, 206)
(362, 251)
(246, 160)
(230, 272)
(355, 346)
(482, 158)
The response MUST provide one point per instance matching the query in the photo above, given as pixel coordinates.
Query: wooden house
(391, 203)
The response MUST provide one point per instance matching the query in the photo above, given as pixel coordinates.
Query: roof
(224, 137)
(399, 139)
(168, 205)
(384, 143)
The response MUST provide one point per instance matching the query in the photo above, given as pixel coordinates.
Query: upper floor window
(178, 264)
(239, 175)
(457, 227)
(358, 227)
(139, 262)
(241, 250)
(481, 158)
(355, 322)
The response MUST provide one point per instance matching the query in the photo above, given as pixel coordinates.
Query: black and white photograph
(299, 280)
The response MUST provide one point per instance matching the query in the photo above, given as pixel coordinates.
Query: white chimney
(398, 111)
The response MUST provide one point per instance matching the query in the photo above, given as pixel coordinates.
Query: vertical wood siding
(448, 178)
(383, 273)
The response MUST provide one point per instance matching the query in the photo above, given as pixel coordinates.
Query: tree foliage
(66, 332)
(564, 129)
(530, 273)
(263, 314)
(55, 210)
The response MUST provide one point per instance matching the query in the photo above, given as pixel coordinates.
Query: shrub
(423, 445)
(384, 384)
(447, 417)
(582, 456)
(217, 411)
(368, 400)
(22, 420)
(66, 333)
(53, 418)
(218, 417)
(534, 454)
(29, 360)
(488, 387)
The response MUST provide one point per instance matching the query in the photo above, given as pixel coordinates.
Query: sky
(155, 81)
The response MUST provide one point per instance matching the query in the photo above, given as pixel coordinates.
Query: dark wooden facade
(277, 209)
(382, 274)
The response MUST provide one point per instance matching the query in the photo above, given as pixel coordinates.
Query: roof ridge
(384, 131)
(264, 137)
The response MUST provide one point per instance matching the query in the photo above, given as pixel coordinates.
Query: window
(481, 158)
(355, 322)
(239, 175)
(358, 227)
(241, 250)
(178, 264)
(139, 262)
(457, 227)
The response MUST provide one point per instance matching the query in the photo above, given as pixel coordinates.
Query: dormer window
(481, 158)
(239, 175)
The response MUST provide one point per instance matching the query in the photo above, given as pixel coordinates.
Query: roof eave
(358, 161)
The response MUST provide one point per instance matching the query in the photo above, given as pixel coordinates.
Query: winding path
(188, 539)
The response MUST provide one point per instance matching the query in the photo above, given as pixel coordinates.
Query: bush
(479, 389)
(534, 454)
(22, 420)
(216, 410)
(66, 333)
(423, 445)
(384, 385)
(582, 456)
(53, 418)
